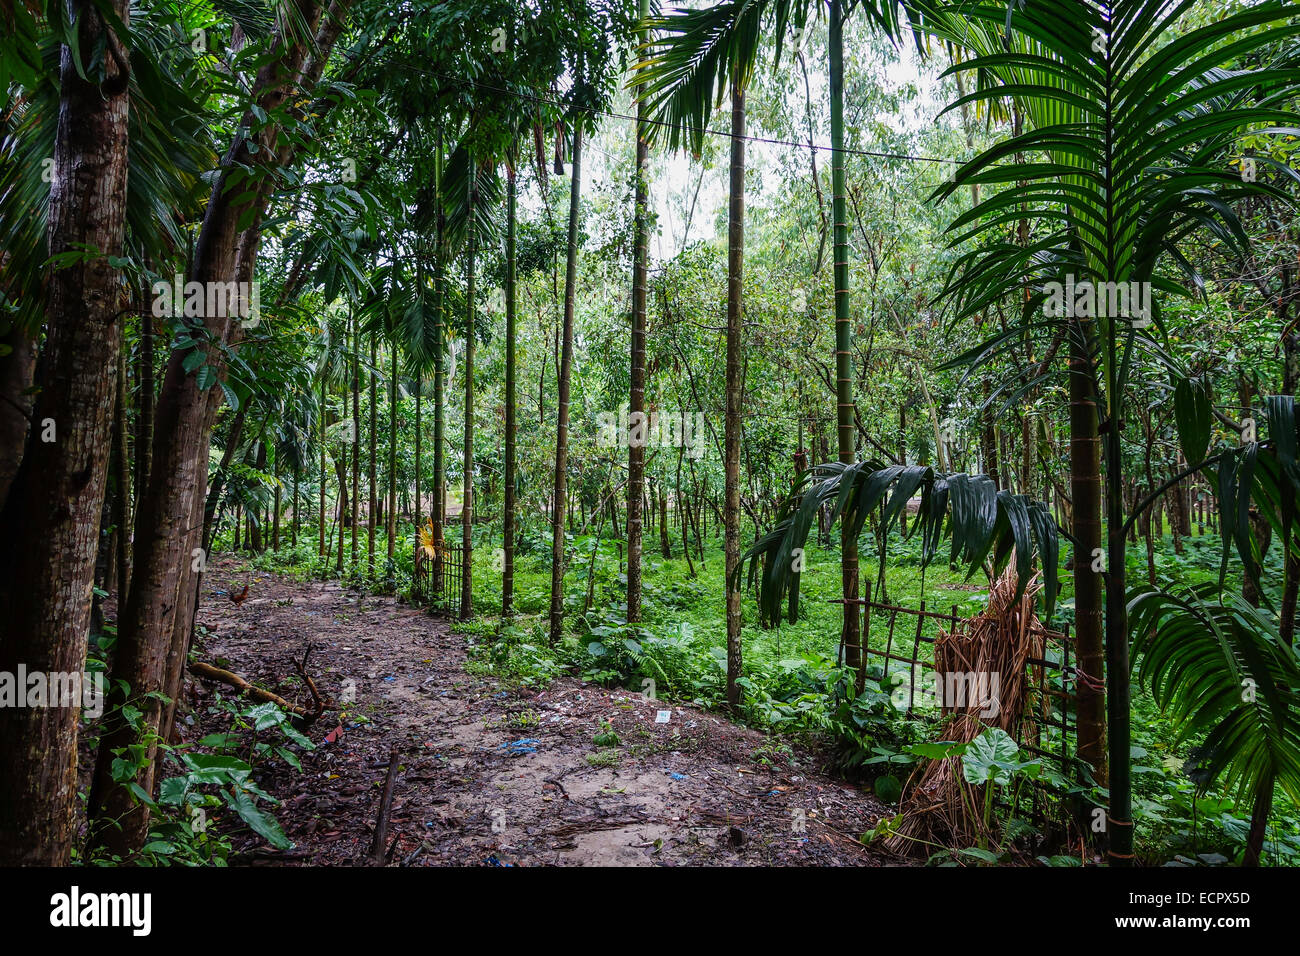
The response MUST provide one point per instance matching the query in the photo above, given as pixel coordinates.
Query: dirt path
(496, 775)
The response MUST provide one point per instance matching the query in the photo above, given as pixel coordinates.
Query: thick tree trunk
(52, 513)
(560, 487)
(155, 625)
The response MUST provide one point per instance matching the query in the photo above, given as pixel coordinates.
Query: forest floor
(496, 774)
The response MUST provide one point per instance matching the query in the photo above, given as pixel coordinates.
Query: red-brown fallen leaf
(334, 734)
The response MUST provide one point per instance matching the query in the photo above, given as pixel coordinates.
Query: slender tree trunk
(734, 388)
(419, 448)
(989, 441)
(636, 405)
(1261, 807)
(851, 636)
(356, 434)
(1085, 493)
(122, 485)
(1118, 672)
(509, 479)
(275, 520)
(439, 381)
(255, 514)
(52, 513)
(213, 500)
(320, 549)
(560, 488)
(341, 470)
(665, 546)
(392, 452)
(467, 496)
(374, 454)
(1291, 560)
(144, 419)
(683, 510)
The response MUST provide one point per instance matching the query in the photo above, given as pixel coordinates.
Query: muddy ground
(492, 774)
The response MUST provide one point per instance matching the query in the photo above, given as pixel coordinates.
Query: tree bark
(155, 625)
(560, 487)
(734, 390)
(636, 399)
(1085, 496)
(52, 513)
(17, 374)
(509, 479)
(851, 634)
(467, 496)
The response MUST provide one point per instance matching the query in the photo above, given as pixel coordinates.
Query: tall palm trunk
(374, 431)
(467, 480)
(636, 405)
(391, 507)
(356, 433)
(508, 517)
(1085, 492)
(850, 635)
(321, 435)
(439, 381)
(52, 513)
(1120, 817)
(560, 487)
(419, 445)
(731, 425)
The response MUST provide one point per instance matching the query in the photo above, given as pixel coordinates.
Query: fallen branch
(231, 679)
(378, 850)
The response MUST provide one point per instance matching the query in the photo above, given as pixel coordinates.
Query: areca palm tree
(1133, 119)
(698, 55)
(636, 398)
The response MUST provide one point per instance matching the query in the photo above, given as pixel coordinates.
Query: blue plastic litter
(493, 861)
(527, 745)
(390, 678)
(677, 776)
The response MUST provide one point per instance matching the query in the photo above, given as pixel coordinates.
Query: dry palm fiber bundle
(938, 805)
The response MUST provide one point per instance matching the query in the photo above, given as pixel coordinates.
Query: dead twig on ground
(378, 848)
